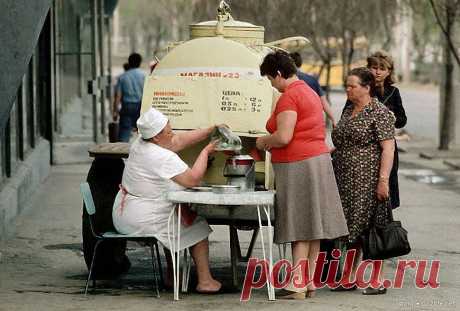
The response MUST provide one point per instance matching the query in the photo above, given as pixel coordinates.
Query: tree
(427, 43)
(155, 23)
(333, 27)
(446, 12)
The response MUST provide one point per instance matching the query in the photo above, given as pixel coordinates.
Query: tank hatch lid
(229, 23)
(243, 32)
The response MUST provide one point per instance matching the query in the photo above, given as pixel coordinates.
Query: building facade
(55, 90)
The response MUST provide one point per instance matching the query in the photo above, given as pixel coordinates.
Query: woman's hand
(261, 143)
(211, 147)
(383, 190)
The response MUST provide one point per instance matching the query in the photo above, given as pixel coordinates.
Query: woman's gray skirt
(308, 205)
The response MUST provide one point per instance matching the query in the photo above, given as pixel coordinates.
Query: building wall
(54, 119)
(82, 58)
(25, 140)
(20, 24)
(16, 193)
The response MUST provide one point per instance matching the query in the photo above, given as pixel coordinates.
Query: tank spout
(290, 44)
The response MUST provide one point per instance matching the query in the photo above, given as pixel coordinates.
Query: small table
(258, 199)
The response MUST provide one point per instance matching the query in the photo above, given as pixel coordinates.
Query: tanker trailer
(210, 79)
(214, 78)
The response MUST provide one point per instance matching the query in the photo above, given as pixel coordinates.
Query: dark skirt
(393, 180)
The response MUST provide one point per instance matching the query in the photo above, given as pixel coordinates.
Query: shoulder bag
(385, 241)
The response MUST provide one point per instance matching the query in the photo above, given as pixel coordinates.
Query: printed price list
(235, 101)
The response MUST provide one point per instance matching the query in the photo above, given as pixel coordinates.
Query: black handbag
(385, 241)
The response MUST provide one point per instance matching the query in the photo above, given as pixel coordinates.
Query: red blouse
(309, 135)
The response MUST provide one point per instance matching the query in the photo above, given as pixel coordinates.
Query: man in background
(128, 95)
(312, 82)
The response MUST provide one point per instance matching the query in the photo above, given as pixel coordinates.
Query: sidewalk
(42, 267)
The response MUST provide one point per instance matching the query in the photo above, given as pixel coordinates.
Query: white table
(258, 199)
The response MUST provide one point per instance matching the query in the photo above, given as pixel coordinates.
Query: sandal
(375, 291)
(287, 294)
(311, 293)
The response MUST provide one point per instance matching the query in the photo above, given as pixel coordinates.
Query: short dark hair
(366, 78)
(278, 61)
(297, 59)
(134, 60)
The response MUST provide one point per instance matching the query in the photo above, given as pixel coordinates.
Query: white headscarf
(151, 123)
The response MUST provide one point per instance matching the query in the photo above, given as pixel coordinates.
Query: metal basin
(225, 188)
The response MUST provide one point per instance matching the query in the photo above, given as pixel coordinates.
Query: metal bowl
(201, 189)
(225, 188)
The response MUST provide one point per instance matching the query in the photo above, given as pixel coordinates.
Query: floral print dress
(357, 164)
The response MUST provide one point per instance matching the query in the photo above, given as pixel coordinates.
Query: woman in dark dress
(382, 67)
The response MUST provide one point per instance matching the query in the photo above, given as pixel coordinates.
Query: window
(20, 122)
(30, 106)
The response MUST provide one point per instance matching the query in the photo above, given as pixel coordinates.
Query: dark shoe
(340, 288)
(287, 294)
(375, 291)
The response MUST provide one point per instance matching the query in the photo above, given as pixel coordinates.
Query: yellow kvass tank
(214, 78)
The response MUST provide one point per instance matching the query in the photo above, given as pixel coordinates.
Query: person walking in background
(308, 206)
(314, 84)
(128, 95)
(364, 142)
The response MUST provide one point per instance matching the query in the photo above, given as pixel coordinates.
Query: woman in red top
(308, 206)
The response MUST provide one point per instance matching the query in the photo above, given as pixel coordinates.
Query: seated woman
(152, 169)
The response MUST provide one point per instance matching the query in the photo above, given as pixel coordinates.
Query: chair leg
(189, 267)
(160, 268)
(186, 270)
(152, 252)
(91, 267)
(251, 246)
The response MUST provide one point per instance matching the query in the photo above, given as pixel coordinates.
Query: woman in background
(382, 67)
(364, 142)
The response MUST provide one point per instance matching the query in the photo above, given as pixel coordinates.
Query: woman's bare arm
(182, 140)
(386, 163)
(192, 177)
(285, 124)
(327, 109)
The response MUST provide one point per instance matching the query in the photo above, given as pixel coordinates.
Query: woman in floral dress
(364, 141)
